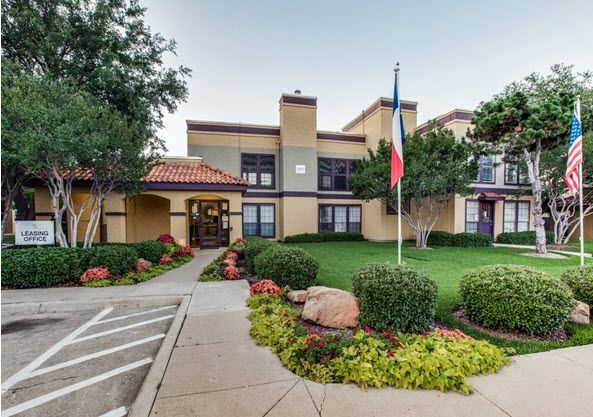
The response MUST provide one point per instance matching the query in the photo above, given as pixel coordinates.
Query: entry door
(209, 223)
(486, 217)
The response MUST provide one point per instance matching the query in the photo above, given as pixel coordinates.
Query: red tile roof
(196, 173)
(490, 195)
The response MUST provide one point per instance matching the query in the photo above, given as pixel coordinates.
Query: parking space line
(135, 314)
(23, 373)
(118, 412)
(94, 355)
(120, 329)
(71, 388)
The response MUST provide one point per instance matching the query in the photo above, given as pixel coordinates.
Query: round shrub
(395, 296)
(254, 247)
(151, 250)
(516, 298)
(166, 238)
(438, 238)
(580, 281)
(118, 259)
(287, 265)
(472, 240)
(522, 238)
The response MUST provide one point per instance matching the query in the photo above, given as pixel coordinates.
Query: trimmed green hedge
(516, 298)
(287, 265)
(472, 240)
(118, 259)
(151, 250)
(324, 237)
(580, 281)
(439, 238)
(253, 247)
(395, 296)
(522, 238)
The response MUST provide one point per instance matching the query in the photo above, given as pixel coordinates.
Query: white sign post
(34, 232)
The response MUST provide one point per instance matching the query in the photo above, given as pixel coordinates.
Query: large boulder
(331, 307)
(580, 314)
(298, 296)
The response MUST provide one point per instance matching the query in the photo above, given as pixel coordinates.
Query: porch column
(178, 215)
(114, 210)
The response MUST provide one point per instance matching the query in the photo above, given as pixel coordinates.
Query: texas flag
(397, 141)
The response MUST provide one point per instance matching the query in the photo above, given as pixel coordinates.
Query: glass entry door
(209, 223)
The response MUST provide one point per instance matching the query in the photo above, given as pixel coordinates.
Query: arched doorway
(208, 222)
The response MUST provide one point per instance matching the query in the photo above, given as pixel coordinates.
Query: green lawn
(339, 261)
(588, 245)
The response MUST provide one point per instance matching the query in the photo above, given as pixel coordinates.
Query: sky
(454, 54)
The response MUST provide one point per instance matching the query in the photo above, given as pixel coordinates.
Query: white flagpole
(399, 188)
(582, 237)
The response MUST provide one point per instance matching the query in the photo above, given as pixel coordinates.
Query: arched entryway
(208, 221)
(147, 217)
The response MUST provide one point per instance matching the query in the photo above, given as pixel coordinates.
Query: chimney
(297, 92)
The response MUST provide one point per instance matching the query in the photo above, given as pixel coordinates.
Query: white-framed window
(516, 216)
(472, 216)
(259, 220)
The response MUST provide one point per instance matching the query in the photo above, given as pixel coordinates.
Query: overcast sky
(453, 54)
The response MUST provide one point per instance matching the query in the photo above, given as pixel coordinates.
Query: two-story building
(280, 180)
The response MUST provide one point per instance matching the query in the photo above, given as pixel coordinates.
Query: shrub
(232, 256)
(472, 240)
(166, 238)
(211, 278)
(263, 286)
(254, 247)
(232, 272)
(324, 237)
(142, 265)
(151, 250)
(118, 259)
(102, 283)
(580, 281)
(439, 238)
(186, 251)
(41, 267)
(165, 260)
(124, 281)
(169, 248)
(394, 296)
(97, 273)
(522, 238)
(516, 298)
(287, 266)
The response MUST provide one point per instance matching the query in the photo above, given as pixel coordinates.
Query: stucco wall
(147, 216)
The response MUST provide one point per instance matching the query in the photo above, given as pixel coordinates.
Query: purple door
(486, 224)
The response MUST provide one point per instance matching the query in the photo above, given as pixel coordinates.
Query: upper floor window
(515, 173)
(258, 169)
(486, 172)
(334, 173)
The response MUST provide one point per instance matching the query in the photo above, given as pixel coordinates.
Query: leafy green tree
(436, 168)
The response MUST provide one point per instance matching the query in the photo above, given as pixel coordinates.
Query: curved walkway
(216, 369)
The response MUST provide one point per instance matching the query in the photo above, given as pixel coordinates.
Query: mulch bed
(568, 248)
(548, 255)
(558, 336)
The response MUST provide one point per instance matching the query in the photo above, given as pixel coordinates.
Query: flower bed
(225, 266)
(438, 360)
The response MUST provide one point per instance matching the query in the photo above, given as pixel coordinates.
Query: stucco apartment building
(290, 178)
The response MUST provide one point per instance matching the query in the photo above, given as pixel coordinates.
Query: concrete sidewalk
(216, 369)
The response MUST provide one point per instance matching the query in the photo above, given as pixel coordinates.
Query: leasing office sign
(36, 232)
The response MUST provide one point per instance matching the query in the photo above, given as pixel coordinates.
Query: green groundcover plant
(439, 360)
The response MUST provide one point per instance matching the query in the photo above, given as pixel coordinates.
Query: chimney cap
(297, 92)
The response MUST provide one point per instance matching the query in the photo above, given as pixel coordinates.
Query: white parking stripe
(135, 314)
(118, 412)
(23, 373)
(120, 329)
(94, 355)
(74, 387)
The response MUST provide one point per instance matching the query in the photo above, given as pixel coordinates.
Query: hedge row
(324, 237)
(47, 266)
(463, 240)
(522, 238)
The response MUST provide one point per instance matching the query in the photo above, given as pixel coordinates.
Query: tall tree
(436, 168)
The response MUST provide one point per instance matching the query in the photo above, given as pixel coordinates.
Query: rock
(298, 296)
(331, 307)
(581, 313)
(145, 261)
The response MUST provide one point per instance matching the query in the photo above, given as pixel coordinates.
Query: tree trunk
(536, 187)
(23, 211)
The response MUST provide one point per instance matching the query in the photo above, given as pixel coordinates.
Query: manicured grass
(8, 239)
(588, 245)
(340, 260)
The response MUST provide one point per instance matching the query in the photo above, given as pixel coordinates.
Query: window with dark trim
(258, 169)
(334, 173)
(340, 218)
(472, 216)
(487, 172)
(515, 173)
(259, 219)
(516, 216)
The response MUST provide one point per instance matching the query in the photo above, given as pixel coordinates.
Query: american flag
(575, 153)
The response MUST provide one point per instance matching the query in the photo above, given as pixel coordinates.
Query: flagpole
(582, 236)
(399, 190)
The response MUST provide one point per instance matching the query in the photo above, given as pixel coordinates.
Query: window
(258, 170)
(259, 220)
(339, 218)
(334, 173)
(515, 173)
(486, 172)
(516, 216)
(472, 213)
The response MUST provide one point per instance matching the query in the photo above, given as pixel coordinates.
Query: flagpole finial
(396, 69)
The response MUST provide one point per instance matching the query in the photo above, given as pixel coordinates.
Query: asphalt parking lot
(82, 363)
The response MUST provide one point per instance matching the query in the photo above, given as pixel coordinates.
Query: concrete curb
(93, 304)
(150, 387)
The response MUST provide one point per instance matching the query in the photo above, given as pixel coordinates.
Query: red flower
(278, 292)
(320, 343)
(308, 343)
(367, 329)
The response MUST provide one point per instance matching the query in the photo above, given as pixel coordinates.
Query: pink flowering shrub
(140, 266)
(232, 256)
(263, 286)
(97, 273)
(166, 260)
(240, 240)
(457, 334)
(166, 238)
(186, 251)
(231, 272)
